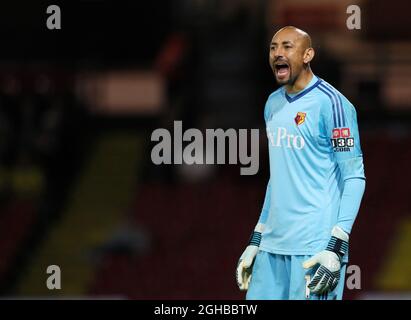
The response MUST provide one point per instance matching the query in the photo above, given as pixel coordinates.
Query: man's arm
(266, 205)
(350, 163)
(246, 261)
(341, 126)
(350, 203)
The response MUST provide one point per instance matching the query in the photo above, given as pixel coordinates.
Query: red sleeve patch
(341, 140)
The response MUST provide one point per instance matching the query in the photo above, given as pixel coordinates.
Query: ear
(309, 54)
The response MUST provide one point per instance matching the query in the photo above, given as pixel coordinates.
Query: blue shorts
(282, 277)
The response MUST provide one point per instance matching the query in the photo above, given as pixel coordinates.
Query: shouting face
(290, 54)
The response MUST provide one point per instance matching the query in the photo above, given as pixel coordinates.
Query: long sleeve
(342, 128)
(266, 205)
(350, 203)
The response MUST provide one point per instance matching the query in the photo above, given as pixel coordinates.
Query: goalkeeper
(299, 248)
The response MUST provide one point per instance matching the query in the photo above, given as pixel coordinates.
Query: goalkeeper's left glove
(328, 274)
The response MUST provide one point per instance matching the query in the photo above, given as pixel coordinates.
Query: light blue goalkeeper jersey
(315, 160)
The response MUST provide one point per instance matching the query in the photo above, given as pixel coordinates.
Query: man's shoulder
(332, 93)
(273, 99)
(337, 108)
(277, 94)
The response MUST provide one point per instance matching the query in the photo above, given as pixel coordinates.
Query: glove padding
(327, 276)
(246, 261)
(245, 267)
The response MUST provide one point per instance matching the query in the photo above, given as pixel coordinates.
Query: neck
(302, 81)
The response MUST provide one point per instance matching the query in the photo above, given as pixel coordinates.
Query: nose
(278, 53)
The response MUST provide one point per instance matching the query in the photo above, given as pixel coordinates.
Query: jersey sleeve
(341, 128)
(267, 199)
(350, 203)
(266, 206)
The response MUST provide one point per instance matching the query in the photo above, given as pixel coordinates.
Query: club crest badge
(300, 118)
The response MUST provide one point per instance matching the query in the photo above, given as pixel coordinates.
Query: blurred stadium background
(77, 108)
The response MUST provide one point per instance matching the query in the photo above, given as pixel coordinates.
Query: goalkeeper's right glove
(246, 261)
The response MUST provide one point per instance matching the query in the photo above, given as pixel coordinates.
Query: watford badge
(300, 118)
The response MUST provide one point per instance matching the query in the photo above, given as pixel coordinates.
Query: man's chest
(291, 125)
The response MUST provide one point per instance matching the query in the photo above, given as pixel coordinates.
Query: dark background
(77, 185)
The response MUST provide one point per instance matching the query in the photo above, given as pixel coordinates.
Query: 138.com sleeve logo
(341, 140)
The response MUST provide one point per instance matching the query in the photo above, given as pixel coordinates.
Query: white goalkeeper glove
(246, 261)
(327, 276)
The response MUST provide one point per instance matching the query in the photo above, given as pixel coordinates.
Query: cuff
(338, 242)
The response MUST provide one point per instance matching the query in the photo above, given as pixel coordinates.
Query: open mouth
(282, 69)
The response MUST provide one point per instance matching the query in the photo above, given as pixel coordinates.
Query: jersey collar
(313, 83)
